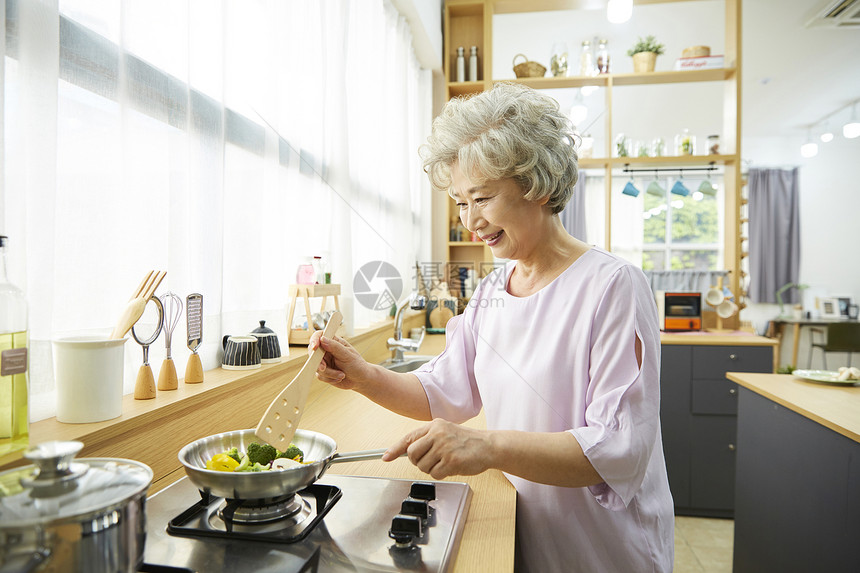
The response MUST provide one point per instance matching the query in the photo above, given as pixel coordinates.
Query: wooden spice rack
(301, 336)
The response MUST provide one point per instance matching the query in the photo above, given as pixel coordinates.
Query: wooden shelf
(675, 160)
(640, 79)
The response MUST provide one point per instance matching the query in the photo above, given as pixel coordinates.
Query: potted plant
(644, 54)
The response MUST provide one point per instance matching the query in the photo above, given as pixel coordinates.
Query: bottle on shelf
(461, 65)
(658, 147)
(586, 60)
(602, 56)
(473, 64)
(685, 144)
(14, 363)
(319, 273)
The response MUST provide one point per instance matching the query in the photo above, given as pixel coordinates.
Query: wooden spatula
(278, 425)
(134, 309)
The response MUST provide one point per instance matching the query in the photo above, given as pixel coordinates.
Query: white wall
(829, 226)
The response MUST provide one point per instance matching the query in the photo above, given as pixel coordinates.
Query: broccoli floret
(234, 453)
(293, 453)
(261, 453)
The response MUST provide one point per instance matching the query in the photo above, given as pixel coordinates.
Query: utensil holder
(144, 387)
(301, 336)
(167, 375)
(194, 369)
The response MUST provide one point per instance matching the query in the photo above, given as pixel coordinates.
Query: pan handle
(357, 456)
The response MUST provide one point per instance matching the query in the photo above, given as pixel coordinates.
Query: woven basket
(528, 69)
(696, 52)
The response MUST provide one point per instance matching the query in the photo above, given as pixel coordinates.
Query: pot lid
(263, 329)
(59, 488)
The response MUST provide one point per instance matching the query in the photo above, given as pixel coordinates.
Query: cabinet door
(675, 419)
(714, 361)
(712, 462)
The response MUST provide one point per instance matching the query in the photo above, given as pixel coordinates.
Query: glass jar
(622, 146)
(306, 273)
(558, 60)
(586, 148)
(586, 60)
(685, 144)
(602, 57)
(713, 145)
(658, 147)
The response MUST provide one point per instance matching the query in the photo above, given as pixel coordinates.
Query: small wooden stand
(301, 336)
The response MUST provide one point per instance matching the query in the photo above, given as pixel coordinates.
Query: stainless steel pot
(64, 515)
(318, 448)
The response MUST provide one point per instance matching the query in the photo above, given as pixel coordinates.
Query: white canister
(88, 372)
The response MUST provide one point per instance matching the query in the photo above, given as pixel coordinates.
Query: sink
(409, 363)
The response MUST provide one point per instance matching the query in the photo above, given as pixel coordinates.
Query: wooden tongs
(134, 309)
(278, 425)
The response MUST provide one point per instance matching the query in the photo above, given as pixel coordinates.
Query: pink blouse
(563, 359)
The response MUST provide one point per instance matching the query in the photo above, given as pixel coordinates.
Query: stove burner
(279, 520)
(257, 511)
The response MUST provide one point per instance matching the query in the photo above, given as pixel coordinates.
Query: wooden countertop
(701, 338)
(835, 407)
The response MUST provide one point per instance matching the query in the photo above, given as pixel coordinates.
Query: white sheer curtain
(219, 141)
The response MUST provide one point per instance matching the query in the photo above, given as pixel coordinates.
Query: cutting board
(278, 425)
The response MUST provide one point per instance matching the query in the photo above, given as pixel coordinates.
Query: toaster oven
(679, 311)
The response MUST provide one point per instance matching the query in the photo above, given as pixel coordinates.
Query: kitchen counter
(153, 431)
(798, 475)
(834, 407)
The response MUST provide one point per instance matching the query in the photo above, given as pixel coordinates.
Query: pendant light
(826, 135)
(810, 148)
(578, 112)
(619, 11)
(852, 129)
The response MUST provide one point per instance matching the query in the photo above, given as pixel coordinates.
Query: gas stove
(344, 523)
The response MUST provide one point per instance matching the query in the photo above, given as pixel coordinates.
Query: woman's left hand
(442, 449)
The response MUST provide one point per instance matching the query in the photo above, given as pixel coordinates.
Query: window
(681, 232)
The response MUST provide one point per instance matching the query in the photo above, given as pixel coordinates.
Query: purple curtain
(774, 233)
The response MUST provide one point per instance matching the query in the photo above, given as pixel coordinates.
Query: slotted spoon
(278, 425)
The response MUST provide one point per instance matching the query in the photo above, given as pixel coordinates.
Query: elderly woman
(560, 347)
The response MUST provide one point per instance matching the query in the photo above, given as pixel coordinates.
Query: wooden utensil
(134, 309)
(278, 425)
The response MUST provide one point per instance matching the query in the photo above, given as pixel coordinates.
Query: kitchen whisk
(167, 379)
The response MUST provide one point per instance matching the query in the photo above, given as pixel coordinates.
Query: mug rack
(301, 336)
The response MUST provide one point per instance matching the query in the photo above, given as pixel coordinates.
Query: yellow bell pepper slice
(221, 463)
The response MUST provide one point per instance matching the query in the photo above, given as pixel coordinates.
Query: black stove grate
(195, 521)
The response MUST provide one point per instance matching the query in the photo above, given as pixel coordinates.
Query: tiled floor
(703, 545)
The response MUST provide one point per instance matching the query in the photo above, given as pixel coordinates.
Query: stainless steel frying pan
(319, 450)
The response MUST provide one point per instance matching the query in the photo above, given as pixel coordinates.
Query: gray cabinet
(698, 415)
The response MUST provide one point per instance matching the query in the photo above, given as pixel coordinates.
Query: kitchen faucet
(397, 344)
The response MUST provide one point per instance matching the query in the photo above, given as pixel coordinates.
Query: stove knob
(405, 528)
(416, 507)
(423, 490)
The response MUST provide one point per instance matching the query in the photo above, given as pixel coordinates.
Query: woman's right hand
(342, 366)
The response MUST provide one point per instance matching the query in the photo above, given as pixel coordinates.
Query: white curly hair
(508, 132)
